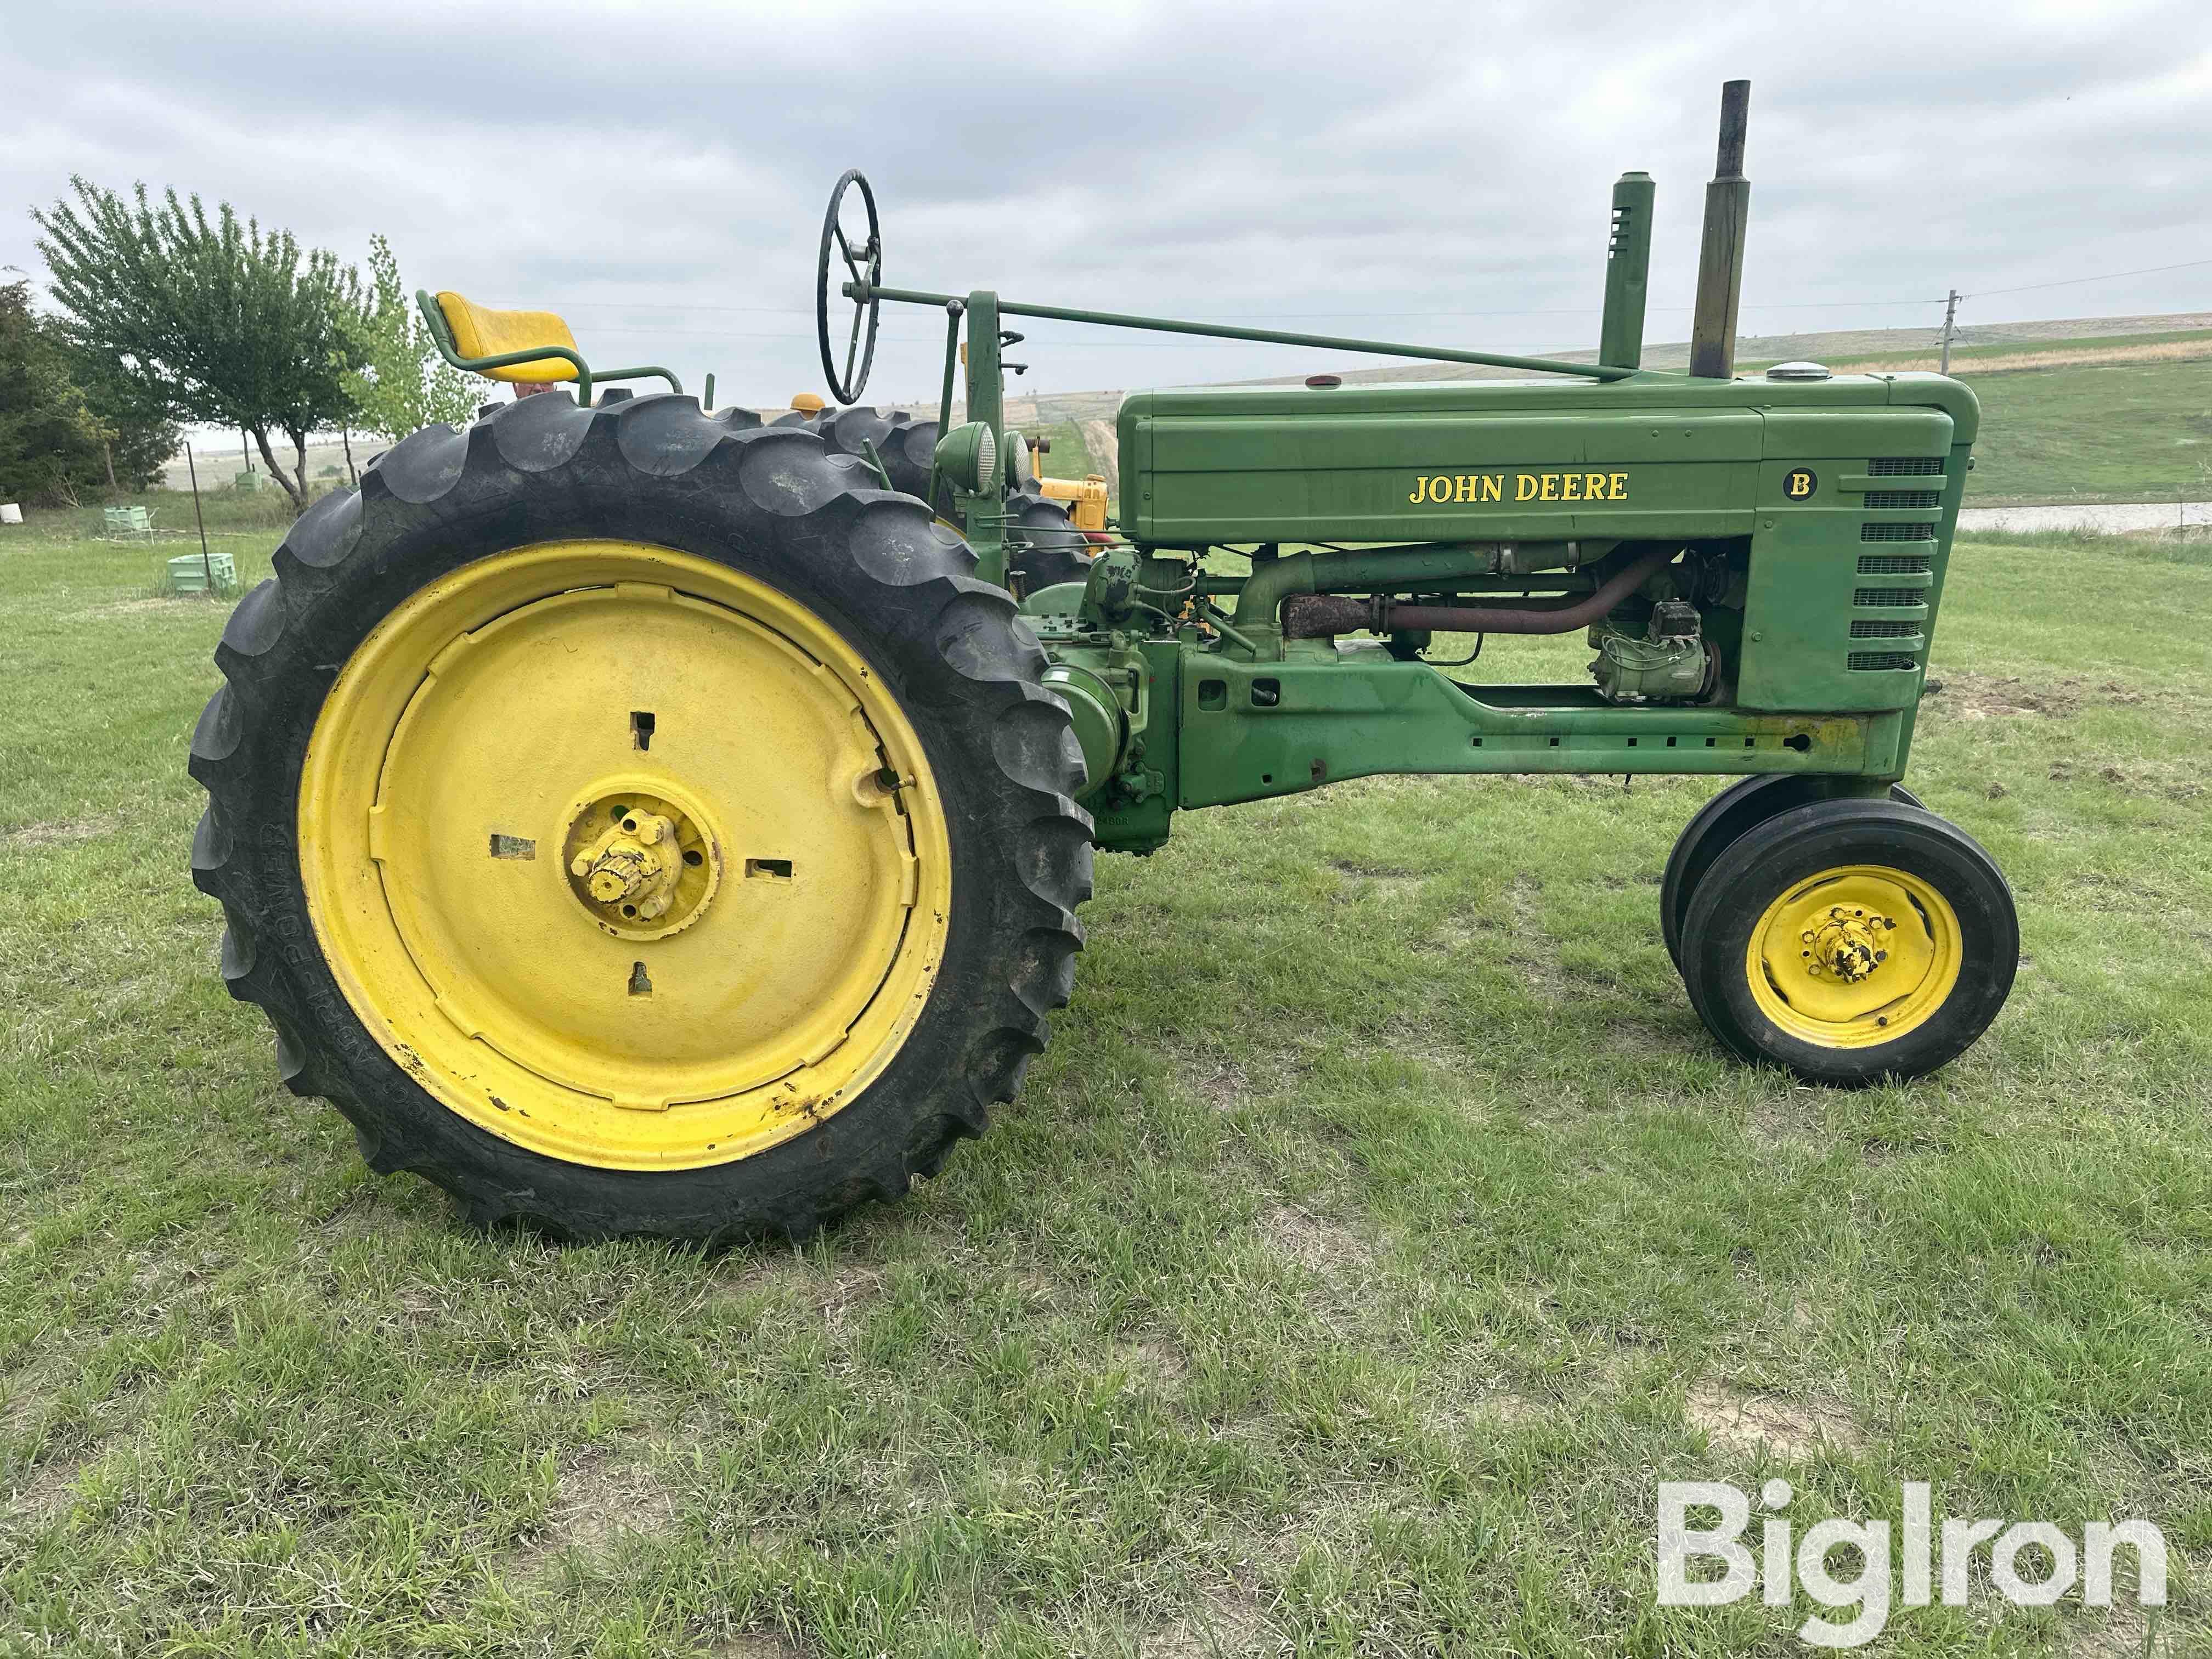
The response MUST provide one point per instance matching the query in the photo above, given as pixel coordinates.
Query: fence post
(206, 565)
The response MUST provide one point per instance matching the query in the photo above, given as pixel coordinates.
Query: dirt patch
(60, 831)
(1969, 696)
(30, 1391)
(1227, 1624)
(833, 1292)
(1982, 697)
(1639, 1039)
(2119, 1631)
(754, 1646)
(1362, 881)
(1154, 1362)
(1493, 1406)
(1314, 1242)
(1788, 1119)
(1790, 1429)
(2166, 783)
(603, 1495)
(1226, 1086)
(1534, 953)
(48, 1495)
(1458, 934)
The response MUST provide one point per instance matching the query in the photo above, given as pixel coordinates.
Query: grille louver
(1929, 498)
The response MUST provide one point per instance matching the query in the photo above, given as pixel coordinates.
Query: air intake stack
(1627, 272)
(1720, 257)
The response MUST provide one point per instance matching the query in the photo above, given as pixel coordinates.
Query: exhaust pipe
(1720, 256)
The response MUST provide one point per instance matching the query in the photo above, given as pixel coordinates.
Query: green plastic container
(187, 574)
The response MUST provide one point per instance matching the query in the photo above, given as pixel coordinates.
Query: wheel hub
(640, 863)
(1846, 943)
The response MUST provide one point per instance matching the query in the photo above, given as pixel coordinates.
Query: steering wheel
(866, 264)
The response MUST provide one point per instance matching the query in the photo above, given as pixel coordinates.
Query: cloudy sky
(1403, 170)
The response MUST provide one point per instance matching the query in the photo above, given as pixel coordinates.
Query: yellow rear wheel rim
(1858, 955)
(626, 857)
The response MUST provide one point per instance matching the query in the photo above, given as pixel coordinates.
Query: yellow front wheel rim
(627, 857)
(1857, 955)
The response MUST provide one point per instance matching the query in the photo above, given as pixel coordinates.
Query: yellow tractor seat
(480, 331)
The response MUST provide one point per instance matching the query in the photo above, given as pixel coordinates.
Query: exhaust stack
(1720, 256)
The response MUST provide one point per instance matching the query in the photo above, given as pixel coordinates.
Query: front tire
(1851, 941)
(635, 823)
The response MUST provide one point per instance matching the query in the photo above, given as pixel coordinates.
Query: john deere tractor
(637, 818)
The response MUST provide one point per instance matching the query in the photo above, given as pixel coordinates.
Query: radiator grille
(1906, 466)
(1895, 564)
(1883, 630)
(1859, 660)
(1879, 500)
(1889, 598)
(1897, 532)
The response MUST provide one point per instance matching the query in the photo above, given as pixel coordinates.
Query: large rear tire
(637, 823)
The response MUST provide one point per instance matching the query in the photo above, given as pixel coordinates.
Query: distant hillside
(1836, 349)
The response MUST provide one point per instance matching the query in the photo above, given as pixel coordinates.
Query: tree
(69, 420)
(403, 385)
(218, 321)
(49, 436)
(141, 436)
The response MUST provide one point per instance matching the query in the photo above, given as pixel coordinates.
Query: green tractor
(639, 818)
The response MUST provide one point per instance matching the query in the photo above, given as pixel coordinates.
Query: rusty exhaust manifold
(1320, 616)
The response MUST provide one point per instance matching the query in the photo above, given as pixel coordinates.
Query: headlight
(1021, 465)
(968, 456)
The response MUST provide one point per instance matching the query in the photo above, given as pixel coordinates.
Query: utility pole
(1950, 313)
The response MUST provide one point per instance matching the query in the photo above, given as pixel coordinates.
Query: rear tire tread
(1056, 551)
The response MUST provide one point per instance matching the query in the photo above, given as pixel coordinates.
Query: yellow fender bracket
(480, 331)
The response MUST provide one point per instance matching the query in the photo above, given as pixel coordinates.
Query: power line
(2069, 281)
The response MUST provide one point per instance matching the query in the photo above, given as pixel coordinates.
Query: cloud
(1402, 171)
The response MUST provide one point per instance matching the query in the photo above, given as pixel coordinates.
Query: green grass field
(1380, 1228)
(2114, 431)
